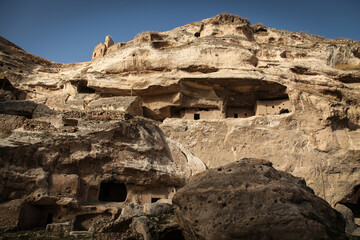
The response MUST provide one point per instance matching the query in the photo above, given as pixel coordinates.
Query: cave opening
(173, 234)
(234, 97)
(219, 98)
(112, 192)
(82, 87)
(35, 217)
(49, 218)
(154, 199)
(5, 84)
(352, 201)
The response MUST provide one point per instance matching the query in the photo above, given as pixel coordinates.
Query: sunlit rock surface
(148, 114)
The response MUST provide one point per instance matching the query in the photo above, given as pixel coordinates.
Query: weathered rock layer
(148, 114)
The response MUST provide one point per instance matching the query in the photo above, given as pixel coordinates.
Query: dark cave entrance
(112, 192)
(282, 111)
(5, 84)
(173, 234)
(35, 217)
(154, 200)
(83, 88)
(196, 116)
(352, 201)
(49, 218)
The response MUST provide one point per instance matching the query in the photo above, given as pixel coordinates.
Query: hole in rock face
(153, 200)
(172, 234)
(83, 88)
(352, 201)
(197, 34)
(34, 217)
(5, 84)
(225, 98)
(70, 122)
(112, 192)
(49, 218)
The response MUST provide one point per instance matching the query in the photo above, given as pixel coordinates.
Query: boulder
(249, 199)
(132, 210)
(157, 208)
(348, 216)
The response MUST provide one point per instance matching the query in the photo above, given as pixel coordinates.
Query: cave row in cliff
(222, 98)
(195, 99)
(39, 213)
(261, 108)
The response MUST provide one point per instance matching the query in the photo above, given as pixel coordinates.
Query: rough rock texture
(249, 199)
(348, 216)
(206, 94)
(84, 172)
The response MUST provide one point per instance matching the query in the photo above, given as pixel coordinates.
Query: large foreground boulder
(249, 199)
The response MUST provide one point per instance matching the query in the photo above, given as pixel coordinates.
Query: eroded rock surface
(249, 199)
(148, 114)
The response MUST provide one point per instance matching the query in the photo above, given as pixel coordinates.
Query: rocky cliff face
(148, 114)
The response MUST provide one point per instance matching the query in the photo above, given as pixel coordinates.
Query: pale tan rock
(204, 81)
(108, 41)
(129, 104)
(99, 51)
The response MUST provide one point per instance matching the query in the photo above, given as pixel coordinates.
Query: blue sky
(68, 30)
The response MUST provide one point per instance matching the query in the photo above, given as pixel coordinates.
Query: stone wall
(239, 112)
(194, 114)
(272, 107)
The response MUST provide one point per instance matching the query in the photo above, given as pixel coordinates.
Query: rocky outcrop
(249, 199)
(101, 49)
(349, 218)
(205, 94)
(82, 169)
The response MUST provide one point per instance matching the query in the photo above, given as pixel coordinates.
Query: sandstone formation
(249, 199)
(101, 49)
(148, 114)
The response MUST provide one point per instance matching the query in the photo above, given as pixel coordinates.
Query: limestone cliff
(205, 94)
